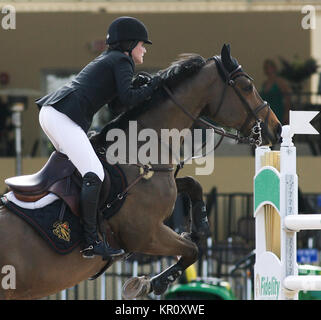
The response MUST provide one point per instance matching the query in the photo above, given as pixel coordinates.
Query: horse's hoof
(136, 287)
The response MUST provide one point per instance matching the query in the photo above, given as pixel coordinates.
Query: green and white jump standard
(277, 221)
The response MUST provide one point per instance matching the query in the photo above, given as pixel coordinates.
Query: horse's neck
(193, 96)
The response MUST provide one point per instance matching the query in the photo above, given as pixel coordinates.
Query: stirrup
(106, 251)
(88, 253)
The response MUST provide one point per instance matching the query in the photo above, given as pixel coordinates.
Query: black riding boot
(89, 202)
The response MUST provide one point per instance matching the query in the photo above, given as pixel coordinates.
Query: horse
(216, 88)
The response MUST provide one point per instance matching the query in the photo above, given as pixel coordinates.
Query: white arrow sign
(300, 122)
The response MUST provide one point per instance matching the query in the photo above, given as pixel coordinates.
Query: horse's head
(240, 106)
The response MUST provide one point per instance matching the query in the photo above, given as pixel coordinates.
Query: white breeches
(68, 138)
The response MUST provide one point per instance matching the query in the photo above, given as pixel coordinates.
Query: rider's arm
(123, 73)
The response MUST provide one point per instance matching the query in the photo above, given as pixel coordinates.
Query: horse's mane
(186, 65)
(180, 70)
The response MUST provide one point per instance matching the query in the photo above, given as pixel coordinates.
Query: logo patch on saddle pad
(62, 230)
(63, 236)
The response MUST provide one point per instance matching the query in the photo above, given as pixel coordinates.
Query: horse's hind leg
(165, 242)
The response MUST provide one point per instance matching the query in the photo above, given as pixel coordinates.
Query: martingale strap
(145, 171)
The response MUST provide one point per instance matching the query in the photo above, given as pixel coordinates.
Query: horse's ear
(226, 55)
(226, 49)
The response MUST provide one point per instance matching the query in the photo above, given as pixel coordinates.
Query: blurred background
(51, 41)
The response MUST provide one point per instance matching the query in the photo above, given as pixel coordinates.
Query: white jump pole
(306, 283)
(303, 222)
(276, 269)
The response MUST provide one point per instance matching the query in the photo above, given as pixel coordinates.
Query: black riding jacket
(107, 77)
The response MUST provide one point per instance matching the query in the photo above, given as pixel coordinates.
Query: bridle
(255, 137)
(229, 80)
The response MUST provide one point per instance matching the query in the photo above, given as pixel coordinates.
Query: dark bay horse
(216, 88)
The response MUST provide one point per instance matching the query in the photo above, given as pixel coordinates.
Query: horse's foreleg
(199, 215)
(164, 242)
(172, 244)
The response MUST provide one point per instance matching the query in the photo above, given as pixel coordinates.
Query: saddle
(58, 176)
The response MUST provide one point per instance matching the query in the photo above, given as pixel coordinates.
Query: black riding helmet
(127, 29)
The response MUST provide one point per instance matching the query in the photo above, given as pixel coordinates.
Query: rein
(217, 130)
(255, 137)
(256, 130)
(147, 171)
(230, 81)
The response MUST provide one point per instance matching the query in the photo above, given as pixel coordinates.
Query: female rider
(66, 115)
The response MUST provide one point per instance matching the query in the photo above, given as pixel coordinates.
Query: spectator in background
(276, 92)
(6, 130)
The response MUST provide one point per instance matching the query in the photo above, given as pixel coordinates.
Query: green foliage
(298, 71)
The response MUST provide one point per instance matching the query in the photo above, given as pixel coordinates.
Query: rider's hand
(156, 82)
(140, 80)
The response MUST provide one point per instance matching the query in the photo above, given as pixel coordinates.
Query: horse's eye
(248, 88)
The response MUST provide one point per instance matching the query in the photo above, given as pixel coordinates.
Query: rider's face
(138, 53)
